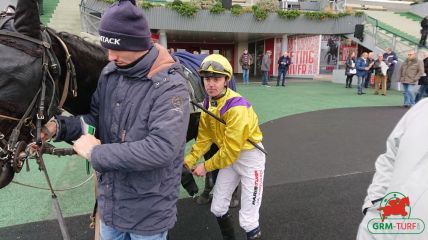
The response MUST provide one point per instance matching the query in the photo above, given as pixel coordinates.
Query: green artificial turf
(48, 9)
(411, 16)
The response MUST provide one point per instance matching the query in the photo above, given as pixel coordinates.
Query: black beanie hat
(123, 27)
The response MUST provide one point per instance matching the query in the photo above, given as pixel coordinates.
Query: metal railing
(384, 37)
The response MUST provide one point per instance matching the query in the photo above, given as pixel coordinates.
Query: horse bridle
(70, 82)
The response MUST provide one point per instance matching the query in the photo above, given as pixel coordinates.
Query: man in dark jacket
(423, 82)
(391, 59)
(370, 61)
(424, 32)
(265, 67)
(141, 112)
(283, 62)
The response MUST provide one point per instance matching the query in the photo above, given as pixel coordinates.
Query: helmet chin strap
(220, 95)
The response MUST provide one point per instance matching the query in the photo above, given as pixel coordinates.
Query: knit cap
(123, 27)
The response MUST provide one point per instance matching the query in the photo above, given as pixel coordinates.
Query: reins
(70, 77)
(8, 117)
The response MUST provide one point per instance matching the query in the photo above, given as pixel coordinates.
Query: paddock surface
(318, 169)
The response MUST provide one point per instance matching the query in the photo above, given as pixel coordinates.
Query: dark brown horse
(33, 60)
(34, 68)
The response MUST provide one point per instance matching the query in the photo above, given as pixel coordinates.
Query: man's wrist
(51, 134)
(88, 157)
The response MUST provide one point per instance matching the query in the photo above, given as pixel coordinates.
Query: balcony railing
(386, 36)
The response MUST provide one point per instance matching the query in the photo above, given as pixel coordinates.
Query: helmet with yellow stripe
(216, 65)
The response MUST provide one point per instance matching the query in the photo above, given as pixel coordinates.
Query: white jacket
(383, 67)
(402, 168)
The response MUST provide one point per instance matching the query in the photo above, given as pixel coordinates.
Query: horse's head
(34, 66)
(21, 57)
(405, 201)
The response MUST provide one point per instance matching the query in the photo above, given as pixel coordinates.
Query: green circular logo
(395, 205)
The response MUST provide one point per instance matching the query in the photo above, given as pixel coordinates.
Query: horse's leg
(27, 19)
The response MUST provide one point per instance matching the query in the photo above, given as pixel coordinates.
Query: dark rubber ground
(318, 169)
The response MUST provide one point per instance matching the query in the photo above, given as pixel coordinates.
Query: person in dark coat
(141, 111)
(350, 70)
(283, 63)
(265, 67)
(423, 82)
(391, 60)
(370, 62)
(424, 32)
(362, 68)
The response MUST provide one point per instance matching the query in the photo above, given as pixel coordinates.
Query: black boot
(205, 197)
(188, 182)
(254, 234)
(226, 226)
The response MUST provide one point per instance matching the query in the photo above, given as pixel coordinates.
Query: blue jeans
(408, 94)
(265, 77)
(360, 83)
(246, 76)
(109, 233)
(422, 92)
(281, 74)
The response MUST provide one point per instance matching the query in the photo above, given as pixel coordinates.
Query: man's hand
(48, 131)
(83, 146)
(199, 170)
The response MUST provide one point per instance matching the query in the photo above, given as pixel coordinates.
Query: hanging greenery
(358, 13)
(288, 14)
(260, 10)
(236, 9)
(217, 8)
(325, 15)
(259, 14)
(183, 8)
(203, 4)
(146, 5)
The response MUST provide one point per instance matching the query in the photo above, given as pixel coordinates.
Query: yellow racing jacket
(241, 124)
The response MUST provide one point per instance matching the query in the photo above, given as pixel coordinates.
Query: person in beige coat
(410, 72)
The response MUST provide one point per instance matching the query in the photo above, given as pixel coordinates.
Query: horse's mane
(87, 49)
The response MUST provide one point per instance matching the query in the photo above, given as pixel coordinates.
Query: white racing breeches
(249, 170)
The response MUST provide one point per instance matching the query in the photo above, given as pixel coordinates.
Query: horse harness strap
(16, 131)
(9, 117)
(26, 38)
(70, 78)
(4, 18)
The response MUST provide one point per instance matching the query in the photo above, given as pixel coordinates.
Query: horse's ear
(27, 18)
